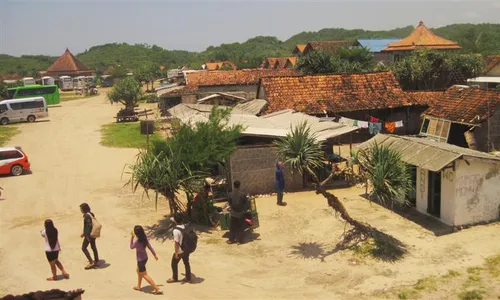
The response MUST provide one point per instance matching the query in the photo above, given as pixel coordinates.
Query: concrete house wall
(469, 195)
(481, 133)
(249, 91)
(494, 72)
(254, 166)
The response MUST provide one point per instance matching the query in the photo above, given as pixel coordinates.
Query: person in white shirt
(52, 249)
(178, 253)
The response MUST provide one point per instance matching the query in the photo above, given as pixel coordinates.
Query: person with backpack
(140, 246)
(185, 241)
(91, 230)
(52, 249)
(238, 205)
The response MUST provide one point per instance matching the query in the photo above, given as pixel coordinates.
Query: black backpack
(189, 239)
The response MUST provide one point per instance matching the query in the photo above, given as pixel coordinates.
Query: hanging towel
(390, 126)
(374, 120)
(374, 128)
(399, 124)
(362, 124)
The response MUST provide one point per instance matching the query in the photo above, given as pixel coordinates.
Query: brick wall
(254, 166)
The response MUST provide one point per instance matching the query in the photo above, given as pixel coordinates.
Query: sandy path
(69, 167)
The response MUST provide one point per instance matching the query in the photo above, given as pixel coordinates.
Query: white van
(29, 81)
(26, 109)
(66, 83)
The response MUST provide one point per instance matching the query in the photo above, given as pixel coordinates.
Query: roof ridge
(326, 74)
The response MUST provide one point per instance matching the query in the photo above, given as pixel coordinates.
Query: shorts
(52, 255)
(141, 265)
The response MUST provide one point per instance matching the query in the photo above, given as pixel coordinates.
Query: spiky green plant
(389, 175)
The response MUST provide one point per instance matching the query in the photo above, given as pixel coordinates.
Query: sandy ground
(286, 258)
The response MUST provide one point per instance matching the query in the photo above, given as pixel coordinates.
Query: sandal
(51, 278)
(171, 280)
(157, 292)
(90, 266)
(66, 276)
(136, 288)
(230, 242)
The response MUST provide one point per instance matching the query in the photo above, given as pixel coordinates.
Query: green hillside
(474, 38)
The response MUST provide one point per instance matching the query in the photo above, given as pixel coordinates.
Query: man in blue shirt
(280, 183)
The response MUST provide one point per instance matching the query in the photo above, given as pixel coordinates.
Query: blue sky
(48, 27)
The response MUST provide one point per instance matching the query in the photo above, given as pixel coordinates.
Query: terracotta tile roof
(491, 62)
(422, 38)
(279, 62)
(67, 63)
(269, 62)
(328, 46)
(293, 60)
(240, 77)
(465, 105)
(428, 98)
(212, 66)
(299, 49)
(314, 94)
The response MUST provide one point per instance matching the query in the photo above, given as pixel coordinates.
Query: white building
(457, 185)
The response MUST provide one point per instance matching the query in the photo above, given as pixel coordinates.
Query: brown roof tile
(314, 94)
(422, 38)
(293, 60)
(279, 62)
(240, 77)
(299, 49)
(212, 66)
(491, 62)
(465, 105)
(328, 46)
(67, 63)
(428, 98)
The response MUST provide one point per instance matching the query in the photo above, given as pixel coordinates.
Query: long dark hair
(141, 235)
(51, 233)
(85, 208)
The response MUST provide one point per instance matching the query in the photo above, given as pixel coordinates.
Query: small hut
(68, 65)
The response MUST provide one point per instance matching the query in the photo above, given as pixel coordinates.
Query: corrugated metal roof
(274, 125)
(254, 107)
(425, 153)
(376, 45)
(215, 95)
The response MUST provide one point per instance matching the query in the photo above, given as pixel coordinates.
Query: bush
(150, 98)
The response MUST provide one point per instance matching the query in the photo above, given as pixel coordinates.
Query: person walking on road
(238, 205)
(52, 249)
(179, 253)
(280, 183)
(87, 238)
(140, 246)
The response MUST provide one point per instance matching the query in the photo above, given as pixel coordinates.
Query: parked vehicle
(13, 161)
(47, 80)
(49, 92)
(29, 81)
(79, 82)
(106, 81)
(66, 83)
(27, 109)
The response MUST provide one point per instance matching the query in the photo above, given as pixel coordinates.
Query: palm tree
(304, 153)
(389, 175)
(165, 174)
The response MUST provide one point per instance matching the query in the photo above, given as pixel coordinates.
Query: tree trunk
(335, 203)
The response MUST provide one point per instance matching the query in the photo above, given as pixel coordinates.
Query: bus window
(11, 93)
(16, 106)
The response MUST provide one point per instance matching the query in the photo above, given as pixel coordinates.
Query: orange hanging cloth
(390, 126)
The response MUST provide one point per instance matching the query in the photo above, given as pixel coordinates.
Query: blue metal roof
(376, 45)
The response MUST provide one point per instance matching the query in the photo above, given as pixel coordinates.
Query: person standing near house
(238, 205)
(280, 183)
(87, 238)
(180, 253)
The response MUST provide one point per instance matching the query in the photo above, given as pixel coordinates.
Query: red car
(13, 161)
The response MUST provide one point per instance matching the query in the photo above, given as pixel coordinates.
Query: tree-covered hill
(474, 38)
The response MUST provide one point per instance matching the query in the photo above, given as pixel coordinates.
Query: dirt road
(283, 262)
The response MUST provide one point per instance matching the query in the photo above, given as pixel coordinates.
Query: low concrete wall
(255, 167)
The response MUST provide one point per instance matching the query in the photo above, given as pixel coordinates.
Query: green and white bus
(49, 92)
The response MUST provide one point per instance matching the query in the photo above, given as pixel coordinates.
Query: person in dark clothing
(280, 183)
(238, 204)
(87, 238)
(178, 252)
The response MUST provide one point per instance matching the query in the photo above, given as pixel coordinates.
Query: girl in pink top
(140, 246)
(52, 249)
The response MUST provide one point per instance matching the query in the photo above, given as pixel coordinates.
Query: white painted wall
(448, 196)
(422, 190)
(477, 192)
